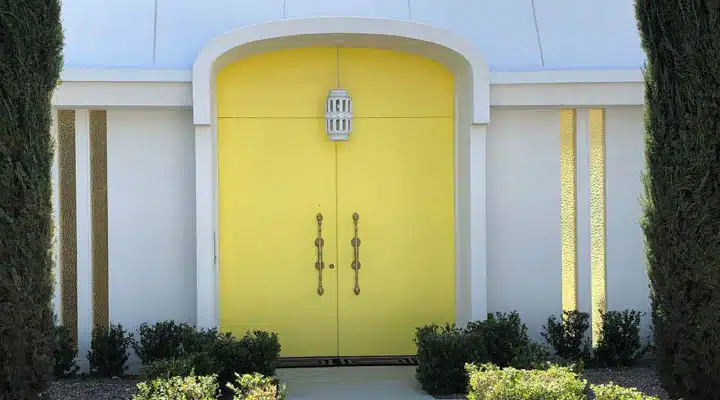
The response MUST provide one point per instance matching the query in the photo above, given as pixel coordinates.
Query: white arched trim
(431, 42)
(472, 114)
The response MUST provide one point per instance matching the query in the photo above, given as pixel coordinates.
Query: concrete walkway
(361, 383)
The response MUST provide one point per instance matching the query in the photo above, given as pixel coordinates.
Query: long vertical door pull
(319, 264)
(355, 242)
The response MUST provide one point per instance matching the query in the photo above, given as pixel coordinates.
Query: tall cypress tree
(31, 41)
(681, 39)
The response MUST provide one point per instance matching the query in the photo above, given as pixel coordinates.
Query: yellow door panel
(397, 174)
(386, 83)
(285, 83)
(274, 176)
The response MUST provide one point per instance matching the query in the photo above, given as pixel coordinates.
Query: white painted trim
(455, 52)
(582, 179)
(103, 94)
(55, 171)
(478, 224)
(207, 310)
(123, 94)
(84, 233)
(556, 76)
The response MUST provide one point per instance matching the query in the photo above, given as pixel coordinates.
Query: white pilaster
(55, 173)
(205, 227)
(582, 186)
(478, 221)
(84, 233)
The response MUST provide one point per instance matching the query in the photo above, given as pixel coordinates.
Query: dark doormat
(309, 362)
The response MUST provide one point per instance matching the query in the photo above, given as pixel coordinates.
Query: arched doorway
(471, 114)
(282, 185)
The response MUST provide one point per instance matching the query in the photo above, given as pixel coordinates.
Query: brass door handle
(319, 264)
(355, 242)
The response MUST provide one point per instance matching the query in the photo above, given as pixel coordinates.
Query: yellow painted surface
(384, 83)
(280, 84)
(596, 141)
(275, 175)
(277, 169)
(397, 174)
(568, 208)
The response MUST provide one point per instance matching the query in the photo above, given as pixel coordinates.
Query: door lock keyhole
(331, 266)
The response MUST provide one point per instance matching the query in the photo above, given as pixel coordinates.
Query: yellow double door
(277, 174)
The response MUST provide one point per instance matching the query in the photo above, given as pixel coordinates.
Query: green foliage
(567, 336)
(501, 339)
(682, 190)
(256, 351)
(506, 338)
(198, 363)
(537, 356)
(614, 392)
(179, 388)
(31, 41)
(65, 352)
(257, 387)
(619, 343)
(109, 351)
(489, 382)
(442, 353)
(168, 339)
(175, 349)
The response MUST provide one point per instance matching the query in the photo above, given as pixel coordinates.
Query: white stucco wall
(523, 222)
(151, 216)
(523, 219)
(627, 282)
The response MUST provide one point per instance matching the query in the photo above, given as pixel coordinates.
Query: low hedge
(172, 349)
(196, 387)
(490, 382)
(179, 388)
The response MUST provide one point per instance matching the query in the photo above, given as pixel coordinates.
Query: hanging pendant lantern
(338, 115)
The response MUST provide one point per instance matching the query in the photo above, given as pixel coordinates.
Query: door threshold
(363, 361)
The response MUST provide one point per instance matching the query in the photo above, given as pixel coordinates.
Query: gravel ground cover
(642, 378)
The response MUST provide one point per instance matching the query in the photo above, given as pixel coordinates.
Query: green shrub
(194, 363)
(179, 388)
(31, 41)
(619, 343)
(442, 353)
(682, 190)
(613, 392)
(256, 351)
(567, 336)
(65, 353)
(263, 352)
(109, 351)
(538, 356)
(489, 382)
(162, 340)
(506, 338)
(257, 387)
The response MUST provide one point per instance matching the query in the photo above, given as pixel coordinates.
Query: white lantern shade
(338, 115)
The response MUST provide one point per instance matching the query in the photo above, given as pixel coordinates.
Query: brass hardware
(319, 264)
(355, 242)
(331, 266)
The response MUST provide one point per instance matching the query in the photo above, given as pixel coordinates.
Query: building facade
(494, 164)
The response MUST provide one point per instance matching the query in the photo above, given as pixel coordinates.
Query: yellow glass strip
(68, 220)
(568, 201)
(98, 199)
(596, 139)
